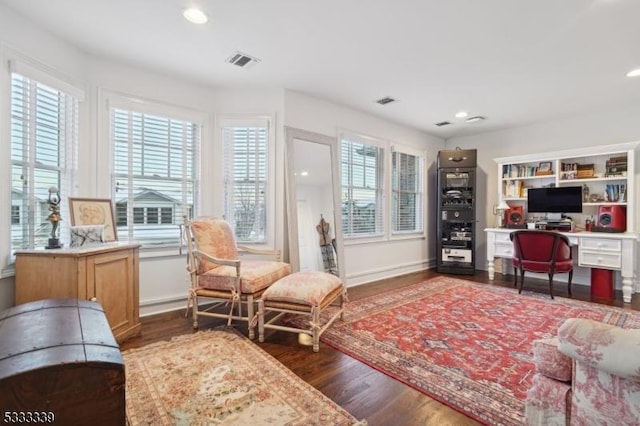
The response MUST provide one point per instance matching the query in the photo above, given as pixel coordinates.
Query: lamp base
(54, 243)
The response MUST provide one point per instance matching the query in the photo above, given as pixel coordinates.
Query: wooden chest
(59, 360)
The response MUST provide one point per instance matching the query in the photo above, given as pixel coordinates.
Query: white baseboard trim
(161, 305)
(371, 275)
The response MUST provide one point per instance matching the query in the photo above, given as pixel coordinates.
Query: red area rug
(465, 344)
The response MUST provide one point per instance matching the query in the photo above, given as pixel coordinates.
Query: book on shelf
(519, 171)
(514, 189)
(616, 166)
(615, 193)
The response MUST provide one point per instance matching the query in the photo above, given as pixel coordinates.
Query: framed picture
(86, 235)
(545, 166)
(94, 211)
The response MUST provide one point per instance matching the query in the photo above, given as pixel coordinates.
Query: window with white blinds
(155, 174)
(407, 192)
(44, 140)
(246, 149)
(361, 167)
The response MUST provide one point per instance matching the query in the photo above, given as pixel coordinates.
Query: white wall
(372, 260)
(598, 128)
(162, 273)
(18, 35)
(163, 283)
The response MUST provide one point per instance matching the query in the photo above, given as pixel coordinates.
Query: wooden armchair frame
(232, 295)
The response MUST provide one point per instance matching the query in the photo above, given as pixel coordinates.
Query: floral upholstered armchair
(588, 375)
(218, 275)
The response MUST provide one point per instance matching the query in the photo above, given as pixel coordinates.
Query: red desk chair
(541, 251)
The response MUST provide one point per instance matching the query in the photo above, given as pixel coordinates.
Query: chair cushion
(215, 238)
(550, 361)
(307, 288)
(547, 402)
(534, 266)
(255, 275)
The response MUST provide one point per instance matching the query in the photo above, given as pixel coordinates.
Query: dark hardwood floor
(360, 389)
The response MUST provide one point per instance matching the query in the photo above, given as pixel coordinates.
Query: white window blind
(155, 176)
(361, 167)
(44, 140)
(407, 193)
(245, 178)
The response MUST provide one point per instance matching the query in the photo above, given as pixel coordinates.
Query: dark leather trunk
(59, 356)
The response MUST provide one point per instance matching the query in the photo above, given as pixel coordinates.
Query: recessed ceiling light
(634, 73)
(474, 119)
(305, 173)
(462, 114)
(195, 16)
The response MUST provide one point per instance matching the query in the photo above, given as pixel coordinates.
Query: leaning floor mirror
(313, 202)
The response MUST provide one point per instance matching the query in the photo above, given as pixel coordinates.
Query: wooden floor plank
(363, 391)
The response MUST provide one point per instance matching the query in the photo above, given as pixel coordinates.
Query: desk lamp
(498, 211)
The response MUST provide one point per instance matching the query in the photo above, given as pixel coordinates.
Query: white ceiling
(516, 62)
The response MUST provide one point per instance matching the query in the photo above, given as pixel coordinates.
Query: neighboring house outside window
(155, 172)
(44, 140)
(407, 176)
(246, 186)
(362, 172)
(15, 215)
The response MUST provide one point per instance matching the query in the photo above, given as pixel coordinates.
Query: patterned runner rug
(465, 344)
(219, 377)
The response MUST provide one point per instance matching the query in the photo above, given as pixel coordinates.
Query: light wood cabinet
(107, 274)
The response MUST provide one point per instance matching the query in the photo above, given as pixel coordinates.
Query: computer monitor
(561, 199)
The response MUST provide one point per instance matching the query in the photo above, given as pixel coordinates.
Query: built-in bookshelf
(607, 174)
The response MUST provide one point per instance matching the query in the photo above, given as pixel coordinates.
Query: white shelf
(593, 179)
(628, 184)
(550, 177)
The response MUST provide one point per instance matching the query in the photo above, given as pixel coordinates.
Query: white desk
(616, 251)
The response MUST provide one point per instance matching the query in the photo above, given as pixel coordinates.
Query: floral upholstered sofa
(588, 375)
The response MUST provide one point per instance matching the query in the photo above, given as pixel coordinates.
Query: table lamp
(498, 211)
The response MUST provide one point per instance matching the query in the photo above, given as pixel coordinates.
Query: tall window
(154, 174)
(406, 188)
(44, 136)
(362, 177)
(246, 148)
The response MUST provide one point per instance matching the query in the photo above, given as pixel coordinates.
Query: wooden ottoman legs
(315, 329)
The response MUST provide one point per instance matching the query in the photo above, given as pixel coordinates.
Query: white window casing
(155, 167)
(43, 143)
(407, 191)
(248, 184)
(362, 181)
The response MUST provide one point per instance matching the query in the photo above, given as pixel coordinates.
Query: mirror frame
(291, 134)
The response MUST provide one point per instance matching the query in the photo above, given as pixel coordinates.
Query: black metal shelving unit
(456, 220)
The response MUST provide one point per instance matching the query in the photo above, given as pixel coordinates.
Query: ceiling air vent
(385, 101)
(242, 60)
(443, 123)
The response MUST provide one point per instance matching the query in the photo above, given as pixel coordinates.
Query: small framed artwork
(545, 166)
(86, 235)
(94, 211)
